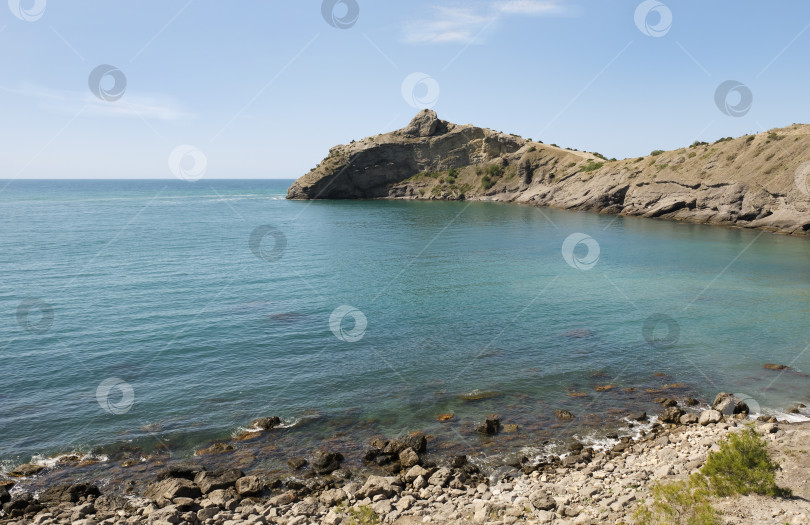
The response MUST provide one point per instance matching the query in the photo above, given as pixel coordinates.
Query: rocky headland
(584, 485)
(755, 181)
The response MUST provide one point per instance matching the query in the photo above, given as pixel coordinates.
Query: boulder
(217, 479)
(417, 441)
(297, 463)
(408, 458)
(68, 493)
(5, 497)
(26, 470)
(266, 423)
(181, 470)
(491, 426)
(171, 488)
(691, 402)
(689, 419)
(376, 486)
(729, 404)
(414, 472)
(249, 486)
(542, 500)
(326, 462)
(670, 415)
(458, 461)
(710, 416)
(637, 416)
(440, 477)
(564, 414)
(216, 448)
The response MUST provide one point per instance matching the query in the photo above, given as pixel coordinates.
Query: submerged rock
(26, 470)
(491, 426)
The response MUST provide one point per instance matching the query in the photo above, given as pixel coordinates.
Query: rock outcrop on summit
(755, 181)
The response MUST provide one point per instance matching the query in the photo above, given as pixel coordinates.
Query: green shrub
(486, 182)
(697, 143)
(452, 172)
(724, 139)
(749, 139)
(656, 152)
(599, 155)
(421, 191)
(692, 154)
(592, 166)
(639, 159)
(494, 170)
(774, 136)
(533, 148)
(362, 516)
(678, 502)
(742, 466)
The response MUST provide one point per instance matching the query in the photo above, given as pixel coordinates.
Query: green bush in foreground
(743, 466)
(679, 502)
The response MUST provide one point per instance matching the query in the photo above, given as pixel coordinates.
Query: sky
(262, 89)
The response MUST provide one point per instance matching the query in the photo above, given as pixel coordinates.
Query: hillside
(755, 181)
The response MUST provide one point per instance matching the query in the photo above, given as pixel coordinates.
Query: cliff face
(749, 182)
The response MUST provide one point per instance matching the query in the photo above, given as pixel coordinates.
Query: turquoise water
(154, 286)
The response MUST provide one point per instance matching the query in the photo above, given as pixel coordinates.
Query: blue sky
(262, 89)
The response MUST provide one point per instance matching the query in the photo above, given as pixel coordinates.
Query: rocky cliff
(755, 181)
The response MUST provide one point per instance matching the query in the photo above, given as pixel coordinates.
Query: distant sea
(162, 315)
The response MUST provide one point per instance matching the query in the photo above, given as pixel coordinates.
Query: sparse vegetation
(679, 502)
(697, 143)
(599, 156)
(486, 182)
(656, 152)
(592, 166)
(362, 516)
(494, 170)
(774, 136)
(452, 173)
(724, 139)
(533, 148)
(750, 139)
(639, 159)
(692, 154)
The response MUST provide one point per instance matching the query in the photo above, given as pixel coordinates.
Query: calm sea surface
(168, 314)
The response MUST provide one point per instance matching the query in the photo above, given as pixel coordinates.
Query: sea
(144, 320)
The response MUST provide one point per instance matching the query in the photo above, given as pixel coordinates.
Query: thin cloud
(149, 106)
(466, 24)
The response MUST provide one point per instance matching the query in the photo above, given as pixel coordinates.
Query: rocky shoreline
(757, 181)
(582, 485)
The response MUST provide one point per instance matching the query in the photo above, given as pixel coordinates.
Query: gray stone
(710, 416)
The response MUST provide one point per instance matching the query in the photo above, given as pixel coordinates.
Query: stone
(542, 500)
(181, 470)
(637, 416)
(249, 486)
(564, 414)
(440, 477)
(297, 463)
(377, 486)
(26, 470)
(417, 441)
(266, 423)
(689, 419)
(420, 482)
(709, 416)
(215, 449)
(491, 426)
(68, 493)
(414, 472)
(729, 404)
(691, 402)
(332, 497)
(769, 428)
(172, 488)
(282, 499)
(408, 458)
(670, 415)
(326, 462)
(217, 479)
